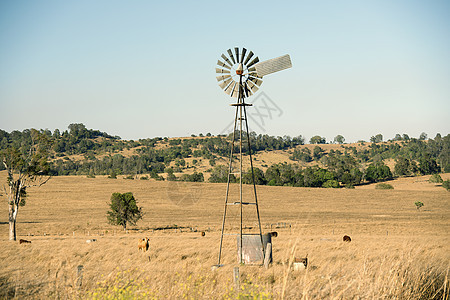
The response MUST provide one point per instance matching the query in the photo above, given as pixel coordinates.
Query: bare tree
(26, 163)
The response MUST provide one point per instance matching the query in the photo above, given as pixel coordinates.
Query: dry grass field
(396, 252)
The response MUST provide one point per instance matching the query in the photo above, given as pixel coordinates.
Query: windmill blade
(252, 69)
(223, 77)
(222, 64)
(254, 61)
(230, 53)
(250, 55)
(226, 59)
(254, 74)
(252, 86)
(230, 88)
(221, 71)
(247, 90)
(236, 50)
(255, 80)
(243, 55)
(225, 83)
(273, 65)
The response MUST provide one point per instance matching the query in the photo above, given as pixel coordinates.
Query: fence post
(79, 275)
(268, 254)
(236, 278)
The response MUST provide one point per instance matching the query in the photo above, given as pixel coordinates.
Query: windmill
(241, 75)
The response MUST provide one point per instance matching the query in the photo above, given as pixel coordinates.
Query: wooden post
(268, 254)
(79, 275)
(236, 278)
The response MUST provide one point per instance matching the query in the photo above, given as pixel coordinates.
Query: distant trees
(377, 138)
(195, 177)
(83, 151)
(318, 152)
(377, 172)
(405, 166)
(339, 139)
(428, 165)
(260, 178)
(124, 210)
(317, 140)
(220, 174)
(27, 166)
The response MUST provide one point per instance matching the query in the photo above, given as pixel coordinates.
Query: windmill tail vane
(242, 65)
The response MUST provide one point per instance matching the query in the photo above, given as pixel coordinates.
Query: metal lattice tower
(241, 77)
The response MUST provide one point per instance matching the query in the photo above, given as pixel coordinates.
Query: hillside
(276, 160)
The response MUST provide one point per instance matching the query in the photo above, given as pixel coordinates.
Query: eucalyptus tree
(26, 165)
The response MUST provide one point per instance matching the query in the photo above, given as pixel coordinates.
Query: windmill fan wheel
(237, 69)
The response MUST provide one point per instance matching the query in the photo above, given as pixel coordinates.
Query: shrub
(418, 204)
(435, 178)
(384, 186)
(446, 184)
(331, 184)
(144, 178)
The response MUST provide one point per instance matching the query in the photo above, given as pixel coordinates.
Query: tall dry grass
(396, 252)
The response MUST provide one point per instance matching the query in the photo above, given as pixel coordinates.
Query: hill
(277, 160)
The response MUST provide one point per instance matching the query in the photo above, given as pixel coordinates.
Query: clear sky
(142, 69)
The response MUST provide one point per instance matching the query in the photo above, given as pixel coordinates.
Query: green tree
(220, 174)
(446, 184)
(124, 210)
(259, 177)
(377, 172)
(377, 138)
(428, 165)
(331, 184)
(26, 166)
(405, 166)
(112, 174)
(318, 152)
(397, 137)
(423, 136)
(436, 178)
(170, 175)
(317, 140)
(339, 139)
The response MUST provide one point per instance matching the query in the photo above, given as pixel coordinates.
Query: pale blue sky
(142, 69)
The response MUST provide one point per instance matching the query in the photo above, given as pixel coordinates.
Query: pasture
(396, 250)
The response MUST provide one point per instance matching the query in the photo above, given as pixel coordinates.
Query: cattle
(143, 244)
(346, 238)
(203, 233)
(21, 241)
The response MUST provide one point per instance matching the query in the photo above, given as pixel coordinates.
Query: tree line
(99, 153)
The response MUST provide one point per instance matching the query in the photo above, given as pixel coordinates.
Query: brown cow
(143, 244)
(346, 238)
(21, 241)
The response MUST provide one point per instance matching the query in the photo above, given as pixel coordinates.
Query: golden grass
(396, 251)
